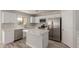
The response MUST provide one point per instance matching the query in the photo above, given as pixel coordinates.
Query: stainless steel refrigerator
(54, 27)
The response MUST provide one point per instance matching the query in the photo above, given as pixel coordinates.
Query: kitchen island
(37, 38)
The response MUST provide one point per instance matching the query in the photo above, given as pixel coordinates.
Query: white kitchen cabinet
(7, 36)
(37, 19)
(8, 17)
(32, 19)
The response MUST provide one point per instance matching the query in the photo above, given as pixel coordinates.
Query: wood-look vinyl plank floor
(54, 44)
(22, 44)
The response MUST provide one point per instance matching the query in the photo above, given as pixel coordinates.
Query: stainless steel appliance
(18, 34)
(54, 27)
(43, 20)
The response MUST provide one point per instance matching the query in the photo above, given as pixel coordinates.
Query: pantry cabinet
(8, 17)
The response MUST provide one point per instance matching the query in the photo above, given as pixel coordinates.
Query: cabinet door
(37, 20)
(8, 17)
(7, 36)
(32, 19)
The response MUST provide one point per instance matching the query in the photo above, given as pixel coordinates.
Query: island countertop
(37, 31)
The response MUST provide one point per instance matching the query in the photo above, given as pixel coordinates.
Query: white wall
(77, 20)
(0, 25)
(77, 28)
(67, 28)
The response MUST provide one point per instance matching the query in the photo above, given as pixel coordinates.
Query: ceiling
(39, 12)
(36, 12)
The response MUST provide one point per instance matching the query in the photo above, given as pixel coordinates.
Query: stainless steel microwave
(42, 20)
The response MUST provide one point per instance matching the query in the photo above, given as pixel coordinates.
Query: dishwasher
(18, 34)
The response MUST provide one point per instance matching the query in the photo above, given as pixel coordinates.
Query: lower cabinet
(7, 36)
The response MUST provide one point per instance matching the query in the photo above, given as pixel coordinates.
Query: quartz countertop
(37, 31)
(4, 29)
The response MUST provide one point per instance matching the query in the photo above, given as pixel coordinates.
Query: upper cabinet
(32, 19)
(37, 19)
(8, 17)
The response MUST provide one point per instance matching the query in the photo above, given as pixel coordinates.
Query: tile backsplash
(7, 25)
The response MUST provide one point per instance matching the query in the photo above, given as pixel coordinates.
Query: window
(22, 20)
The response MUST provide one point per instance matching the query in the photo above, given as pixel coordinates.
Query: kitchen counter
(8, 34)
(37, 31)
